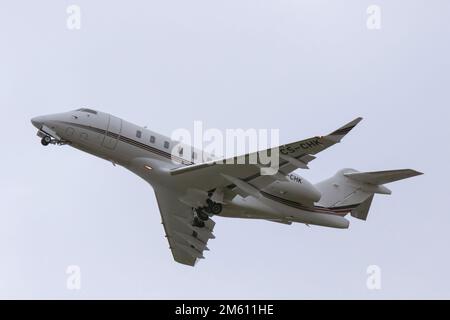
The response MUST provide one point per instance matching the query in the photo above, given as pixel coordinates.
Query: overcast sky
(304, 67)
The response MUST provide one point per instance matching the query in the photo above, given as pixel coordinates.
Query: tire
(46, 140)
(207, 209)
(216, 208)
(202, 215)
(198, 223)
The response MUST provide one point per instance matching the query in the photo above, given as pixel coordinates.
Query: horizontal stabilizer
(382, 177)
(350, 190)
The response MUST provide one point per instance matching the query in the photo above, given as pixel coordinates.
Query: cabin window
(152, 139)
(166, 144)
(194, 155)
(139, 134)
(180, 151)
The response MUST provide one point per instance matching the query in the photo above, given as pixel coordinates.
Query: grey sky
(305, 67)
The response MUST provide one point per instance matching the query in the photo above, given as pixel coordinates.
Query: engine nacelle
(296, 189)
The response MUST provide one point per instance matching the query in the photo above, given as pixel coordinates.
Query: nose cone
(37, 122)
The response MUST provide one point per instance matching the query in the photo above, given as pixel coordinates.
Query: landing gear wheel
(198, 223)
(207, 209)
(46, 141)
(202, 215)
(216, 208)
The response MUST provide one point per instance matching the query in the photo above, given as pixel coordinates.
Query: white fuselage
(151, 156)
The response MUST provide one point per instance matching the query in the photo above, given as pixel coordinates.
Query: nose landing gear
(46, 140)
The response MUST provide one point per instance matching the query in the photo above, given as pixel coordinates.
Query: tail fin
(353, 190)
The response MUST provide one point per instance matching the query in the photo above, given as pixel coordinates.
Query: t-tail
(350, 190)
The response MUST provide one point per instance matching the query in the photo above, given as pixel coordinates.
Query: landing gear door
(113, 132)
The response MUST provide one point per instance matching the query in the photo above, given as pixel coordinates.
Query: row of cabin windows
(166, 144)
(153, 140)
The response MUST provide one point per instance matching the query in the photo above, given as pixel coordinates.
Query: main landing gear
(202, 214)
(213, 207)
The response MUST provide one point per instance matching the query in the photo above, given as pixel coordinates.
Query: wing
(213, 174)
(186, 241)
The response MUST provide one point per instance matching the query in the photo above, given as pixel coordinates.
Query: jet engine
(295, 188)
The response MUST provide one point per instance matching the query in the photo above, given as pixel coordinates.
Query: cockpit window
(87, 110)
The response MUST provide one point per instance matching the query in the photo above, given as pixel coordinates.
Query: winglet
(338, 134)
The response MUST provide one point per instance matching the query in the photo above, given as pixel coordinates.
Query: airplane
(190, 191)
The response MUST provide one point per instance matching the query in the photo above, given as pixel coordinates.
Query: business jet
(191, 191)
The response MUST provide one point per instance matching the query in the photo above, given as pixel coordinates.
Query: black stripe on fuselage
(133, 142)
(298, 205)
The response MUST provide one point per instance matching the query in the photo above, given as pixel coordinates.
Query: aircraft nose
(37, 122)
